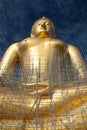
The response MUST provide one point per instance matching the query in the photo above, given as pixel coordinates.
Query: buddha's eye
(47, 24)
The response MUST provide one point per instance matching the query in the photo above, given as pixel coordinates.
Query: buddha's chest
(45, 61)
(36, 59)
(41, 57)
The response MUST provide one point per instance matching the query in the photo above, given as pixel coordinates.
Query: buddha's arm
(8, 62)
(77, 61)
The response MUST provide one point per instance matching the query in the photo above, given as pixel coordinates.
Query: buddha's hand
(42, 92)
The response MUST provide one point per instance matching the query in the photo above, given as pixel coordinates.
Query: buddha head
(43, 27)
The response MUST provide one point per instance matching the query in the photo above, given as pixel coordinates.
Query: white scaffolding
(62, 75)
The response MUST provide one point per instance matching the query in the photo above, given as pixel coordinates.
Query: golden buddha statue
(49, 71)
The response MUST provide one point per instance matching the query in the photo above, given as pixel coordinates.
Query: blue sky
(69, 17)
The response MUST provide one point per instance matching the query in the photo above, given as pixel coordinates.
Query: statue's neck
(43, 35)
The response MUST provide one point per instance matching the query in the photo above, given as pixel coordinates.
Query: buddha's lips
(43, 35)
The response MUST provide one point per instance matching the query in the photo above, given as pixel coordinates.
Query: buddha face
(43, 25)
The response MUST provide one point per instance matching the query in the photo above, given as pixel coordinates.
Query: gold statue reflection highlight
(51, 85)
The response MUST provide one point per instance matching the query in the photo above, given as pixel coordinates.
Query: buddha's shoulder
(55, 41)
(26, 40)
(13, 46)
(30, 41)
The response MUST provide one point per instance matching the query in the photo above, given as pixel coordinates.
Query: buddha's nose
(43, 25)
